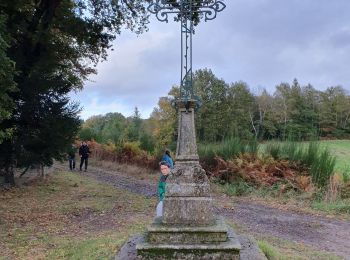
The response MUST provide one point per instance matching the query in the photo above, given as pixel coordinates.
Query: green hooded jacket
(161, 187)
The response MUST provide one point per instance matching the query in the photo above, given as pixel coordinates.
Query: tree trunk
(9, 176)
(42, 171)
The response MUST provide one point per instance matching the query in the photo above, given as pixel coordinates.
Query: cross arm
(186, 8)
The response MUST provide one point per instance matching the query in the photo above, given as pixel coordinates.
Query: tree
(164, 120)
(241, 110)
(334, 112)
(266, 124)
(135, 126)
(55, 46)
(211, 118)
(7, 84)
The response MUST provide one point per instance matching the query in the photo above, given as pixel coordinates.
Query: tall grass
(322, 168)
(319, 160)
(227, 149)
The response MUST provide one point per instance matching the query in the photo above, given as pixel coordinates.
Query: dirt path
(327, 234)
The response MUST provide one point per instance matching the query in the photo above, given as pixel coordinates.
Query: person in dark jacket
(84, 152)
(71, 157)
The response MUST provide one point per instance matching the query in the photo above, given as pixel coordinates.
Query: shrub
(128, 152)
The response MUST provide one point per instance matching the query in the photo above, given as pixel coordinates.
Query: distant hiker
(167, 158)
(71, 157)
(165, 170)
(84, 152)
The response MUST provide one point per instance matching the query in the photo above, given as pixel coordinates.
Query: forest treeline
(231, 110)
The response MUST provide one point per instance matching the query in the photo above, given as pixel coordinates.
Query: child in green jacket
(165, 169)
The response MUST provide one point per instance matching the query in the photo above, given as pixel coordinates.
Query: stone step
(159, 233)
(223, 250)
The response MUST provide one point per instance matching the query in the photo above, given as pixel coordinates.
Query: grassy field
(341, 150)
(68, 216)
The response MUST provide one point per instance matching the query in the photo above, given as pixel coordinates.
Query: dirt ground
(325, 233)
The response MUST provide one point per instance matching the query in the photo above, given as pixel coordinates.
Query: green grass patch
(104, 246)
(270, 251)
(339, 206)
(341, 150)
(70, 216)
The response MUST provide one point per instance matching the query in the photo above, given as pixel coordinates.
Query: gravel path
(320, 232)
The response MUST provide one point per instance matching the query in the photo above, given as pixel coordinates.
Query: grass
(339, 206)
(318, 159)
(69, 216)
(341, 150)
(276, 248)
(270, 251)
(282, 249)
(226, 149)
(302, 202)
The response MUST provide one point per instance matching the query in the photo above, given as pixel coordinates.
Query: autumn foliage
(128, 152)
(261, 172)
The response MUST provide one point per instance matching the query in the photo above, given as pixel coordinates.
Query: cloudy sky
(262, 42)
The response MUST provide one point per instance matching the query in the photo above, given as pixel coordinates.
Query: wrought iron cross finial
(186, 11)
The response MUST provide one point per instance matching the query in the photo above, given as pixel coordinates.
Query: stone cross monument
(189, 229)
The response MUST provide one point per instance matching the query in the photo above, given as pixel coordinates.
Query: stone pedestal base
(188, 229)
(184, 242)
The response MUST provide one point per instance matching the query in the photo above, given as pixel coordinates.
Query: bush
(128, 152)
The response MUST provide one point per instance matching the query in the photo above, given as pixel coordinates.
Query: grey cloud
(262, 42)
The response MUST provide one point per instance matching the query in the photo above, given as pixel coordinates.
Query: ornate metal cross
(186, 11)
